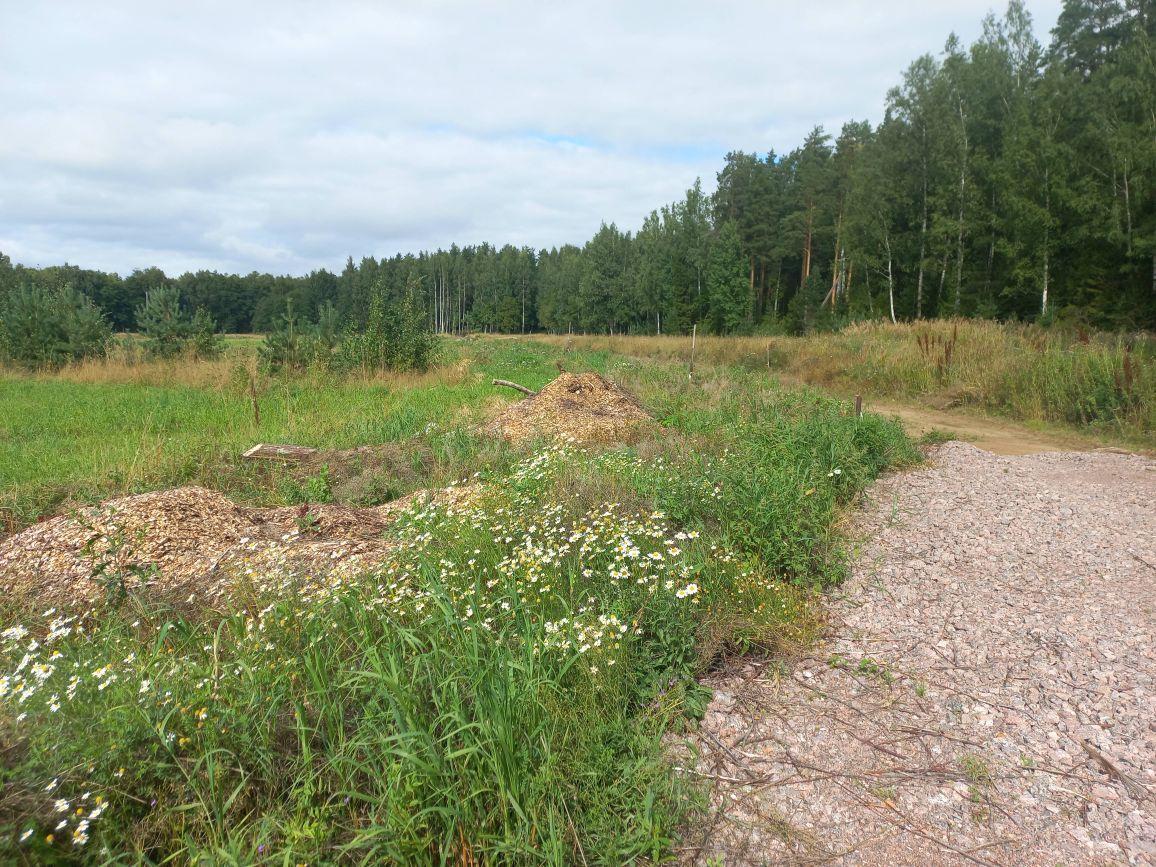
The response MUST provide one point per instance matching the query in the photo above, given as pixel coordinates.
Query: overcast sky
(284, 136)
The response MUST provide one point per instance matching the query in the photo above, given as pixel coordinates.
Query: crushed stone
(987, 690)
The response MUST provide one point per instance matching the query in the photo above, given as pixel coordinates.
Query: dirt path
(987, 693)
(994, 435)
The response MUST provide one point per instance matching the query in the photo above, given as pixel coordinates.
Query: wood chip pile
(191, 544)
(195, 545)
(584, 407)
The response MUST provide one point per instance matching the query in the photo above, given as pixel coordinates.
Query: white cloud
(285, 136)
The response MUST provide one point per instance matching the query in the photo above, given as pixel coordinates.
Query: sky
(285, 136)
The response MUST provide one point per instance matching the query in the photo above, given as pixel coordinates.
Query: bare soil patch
(993, 435)
(987, 690)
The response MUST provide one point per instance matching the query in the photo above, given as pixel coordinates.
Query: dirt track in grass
(998, 436)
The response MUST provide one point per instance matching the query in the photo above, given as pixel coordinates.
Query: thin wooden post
(858, 406)
(253, 400)
(693, 341)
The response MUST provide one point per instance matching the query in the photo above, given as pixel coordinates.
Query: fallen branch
(507, 384)
(1140, 559)
(1134, 788)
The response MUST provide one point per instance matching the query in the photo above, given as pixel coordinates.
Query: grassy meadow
(498, 693)
(1097, 383)
(122, 425)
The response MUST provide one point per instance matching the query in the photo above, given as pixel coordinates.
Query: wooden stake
(693, 340)
(858, 406)
(256, 405)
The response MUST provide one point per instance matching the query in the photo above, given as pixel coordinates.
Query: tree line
(1005, 180)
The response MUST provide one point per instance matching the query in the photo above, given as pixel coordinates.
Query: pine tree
(165, 323)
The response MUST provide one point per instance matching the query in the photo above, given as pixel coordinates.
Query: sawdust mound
(584, 407)
(192, 544)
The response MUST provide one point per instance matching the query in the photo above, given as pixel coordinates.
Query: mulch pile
(192, 544)
(583, 407)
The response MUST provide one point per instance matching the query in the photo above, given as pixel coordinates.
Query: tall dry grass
(126, 363)
(1024, 372)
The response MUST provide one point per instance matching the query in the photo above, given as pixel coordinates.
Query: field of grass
(1098, 383)
(496, 694)
(107, 427)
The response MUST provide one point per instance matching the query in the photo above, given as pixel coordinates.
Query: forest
(1007, 179)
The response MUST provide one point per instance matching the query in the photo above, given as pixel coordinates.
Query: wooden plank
(286, 453)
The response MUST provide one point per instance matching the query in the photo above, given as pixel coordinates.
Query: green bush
(205, 341)
(169, 329)
(396, 337)
(807, 312)
(48, 327)
(163, 323)
(297, 344)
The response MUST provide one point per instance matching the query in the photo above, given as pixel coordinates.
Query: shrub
(171, 331)
(163, 323)
(205, 341)
(48, 327)
(396, 337)
(294, 344)
(807, 311)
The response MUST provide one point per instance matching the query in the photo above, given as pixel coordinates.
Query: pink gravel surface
(986, 693)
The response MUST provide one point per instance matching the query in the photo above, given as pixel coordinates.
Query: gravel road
(987, 692)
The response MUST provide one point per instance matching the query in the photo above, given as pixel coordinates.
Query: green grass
(496, 694)
(63, 440)
(1097, 384)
